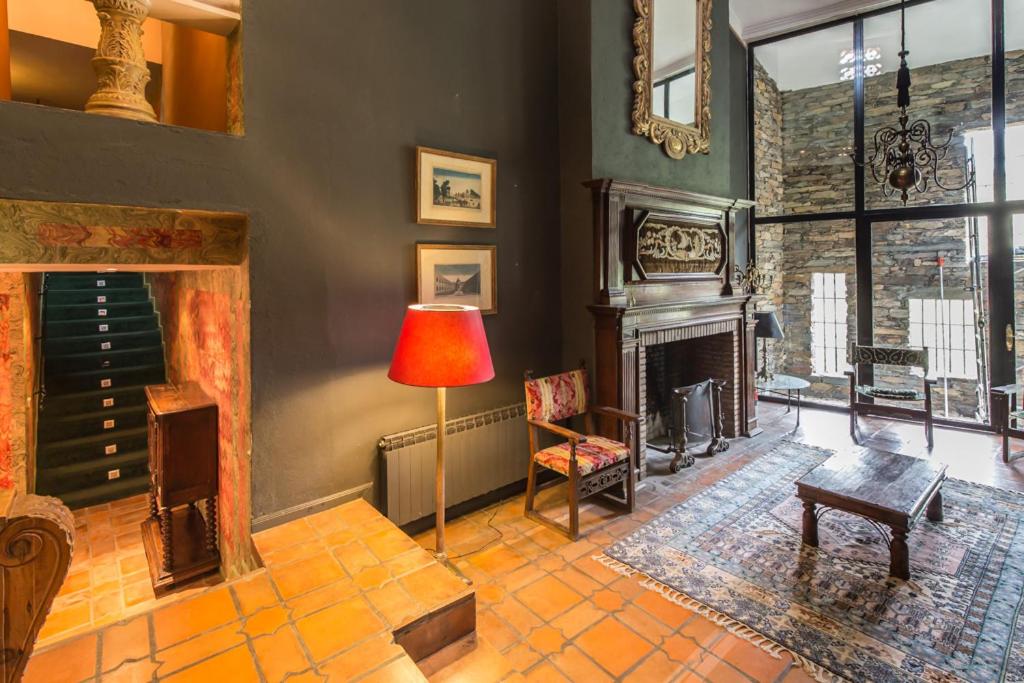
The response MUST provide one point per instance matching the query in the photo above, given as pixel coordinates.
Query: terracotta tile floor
(546, 611)
(108, 579)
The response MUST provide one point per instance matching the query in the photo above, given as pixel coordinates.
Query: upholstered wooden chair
(591, 463)
(889, 355)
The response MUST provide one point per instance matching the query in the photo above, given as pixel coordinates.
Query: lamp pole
(439, 548)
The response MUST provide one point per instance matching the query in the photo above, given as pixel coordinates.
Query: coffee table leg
(810, 536)
(934, 511)
(899, 556)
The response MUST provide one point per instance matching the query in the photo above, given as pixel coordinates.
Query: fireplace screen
(696, 419)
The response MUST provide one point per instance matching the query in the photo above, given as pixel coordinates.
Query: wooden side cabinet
(180, 545)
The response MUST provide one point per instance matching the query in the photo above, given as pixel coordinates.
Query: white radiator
(483, 453)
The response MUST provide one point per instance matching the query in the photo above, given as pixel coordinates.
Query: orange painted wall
(195, 82)
(5, 54)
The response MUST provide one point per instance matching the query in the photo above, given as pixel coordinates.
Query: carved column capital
(120, 63)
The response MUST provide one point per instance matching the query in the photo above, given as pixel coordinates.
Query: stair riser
(58, 365)
(95, 380)
(132, 340)
(55, 486)
(100, 296)
(74, 429)
(57, 406)
(90, 280)
(57, 455)
(90, 311)
(77, 328)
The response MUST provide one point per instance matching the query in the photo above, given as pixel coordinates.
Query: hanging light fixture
(905, 158)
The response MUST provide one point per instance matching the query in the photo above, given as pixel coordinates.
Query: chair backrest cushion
(557, 397)
(889, 355)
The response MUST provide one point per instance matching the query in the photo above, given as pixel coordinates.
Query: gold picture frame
(677, 139)
(455, 189)
(465, 274)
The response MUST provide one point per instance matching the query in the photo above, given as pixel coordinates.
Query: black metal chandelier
(905, 158)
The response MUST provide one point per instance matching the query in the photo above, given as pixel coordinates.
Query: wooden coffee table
(884, 488)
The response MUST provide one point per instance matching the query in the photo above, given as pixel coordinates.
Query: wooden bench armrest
(615, 413)
(574, 437)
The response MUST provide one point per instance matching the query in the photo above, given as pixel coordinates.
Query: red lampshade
(442, 346)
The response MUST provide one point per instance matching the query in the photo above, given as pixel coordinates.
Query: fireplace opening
(681, 363)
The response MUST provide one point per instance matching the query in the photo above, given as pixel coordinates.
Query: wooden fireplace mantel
(663, 272)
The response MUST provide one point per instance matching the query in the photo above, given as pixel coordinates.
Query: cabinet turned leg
(167, 538)
(211, 525)
(810, 530)
(899, 555)
(154, 511)
(934, 511)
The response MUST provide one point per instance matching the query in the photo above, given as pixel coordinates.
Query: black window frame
(1002, 368)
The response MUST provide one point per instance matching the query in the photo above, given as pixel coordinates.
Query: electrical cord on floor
(485, 546)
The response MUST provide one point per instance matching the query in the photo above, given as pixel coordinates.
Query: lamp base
(764, 375)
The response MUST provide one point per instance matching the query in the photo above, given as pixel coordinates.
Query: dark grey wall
(602, 30)
(336, 97)
(619, 153)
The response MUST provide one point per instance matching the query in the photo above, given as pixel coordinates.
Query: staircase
(101, 346)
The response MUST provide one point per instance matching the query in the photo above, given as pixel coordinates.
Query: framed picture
(455, 189)
(464, 274)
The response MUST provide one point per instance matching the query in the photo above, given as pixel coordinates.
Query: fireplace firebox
(666, 314)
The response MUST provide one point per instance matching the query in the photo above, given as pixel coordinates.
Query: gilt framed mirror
(672, 66)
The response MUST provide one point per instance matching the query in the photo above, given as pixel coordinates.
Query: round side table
(788, 385)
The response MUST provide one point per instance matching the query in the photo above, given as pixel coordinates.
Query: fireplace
(689, 360)
(666, 314)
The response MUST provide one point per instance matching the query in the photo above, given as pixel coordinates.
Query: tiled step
(93, 280)
(91, 447)
(91, 401)
(104, 379)
(95, 310)
(100, 360)
(57, 481)
(63, 297)
(94, 341)
(77, 328)
(113, 490)
(97, 423)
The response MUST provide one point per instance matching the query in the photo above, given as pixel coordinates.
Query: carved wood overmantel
(663, 272)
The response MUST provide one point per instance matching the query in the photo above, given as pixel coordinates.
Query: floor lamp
(441, 346)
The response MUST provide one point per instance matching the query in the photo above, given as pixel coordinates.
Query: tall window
(946, 329)
(828, 324)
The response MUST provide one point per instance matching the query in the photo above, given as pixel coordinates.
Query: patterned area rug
(733, 553)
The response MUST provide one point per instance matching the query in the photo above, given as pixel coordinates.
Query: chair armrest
(572, 436)
(932, 382)
(850, 373)
(616, 413)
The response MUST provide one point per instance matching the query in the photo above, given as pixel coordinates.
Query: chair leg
(531, 483)
(853, 406)
(574, 504)
(929, 424)
(631, 484)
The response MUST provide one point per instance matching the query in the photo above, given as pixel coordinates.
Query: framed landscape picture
(455, 189)
(464, 274)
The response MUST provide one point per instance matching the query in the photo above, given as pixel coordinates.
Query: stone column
(5, 54)
(120, 63)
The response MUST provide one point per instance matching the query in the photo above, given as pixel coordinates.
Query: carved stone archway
(199, 258)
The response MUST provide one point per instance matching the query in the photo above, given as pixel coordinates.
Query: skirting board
(264, 522)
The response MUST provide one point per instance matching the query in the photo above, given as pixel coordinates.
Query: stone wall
(817, 173)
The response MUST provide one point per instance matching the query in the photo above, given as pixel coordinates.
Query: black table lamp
(767, 328)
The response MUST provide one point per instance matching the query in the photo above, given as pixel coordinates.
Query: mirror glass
(674, 80)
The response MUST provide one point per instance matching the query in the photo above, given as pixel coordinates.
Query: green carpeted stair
(101, 346)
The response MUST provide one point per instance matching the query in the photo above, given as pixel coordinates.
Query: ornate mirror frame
(678, 139)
